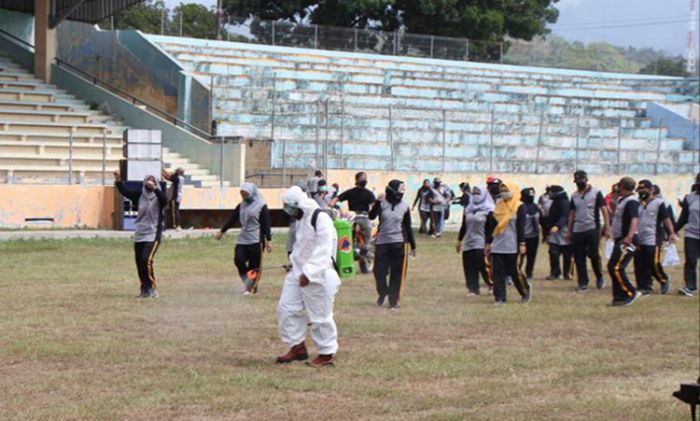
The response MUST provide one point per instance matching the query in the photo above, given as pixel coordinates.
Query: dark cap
(580, 175)
(437, 180)
(644, 184)
(627, 183)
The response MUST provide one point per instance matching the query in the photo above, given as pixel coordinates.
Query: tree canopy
(486, 20)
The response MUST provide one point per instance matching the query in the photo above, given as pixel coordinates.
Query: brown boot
(296, 353)
(322, 361)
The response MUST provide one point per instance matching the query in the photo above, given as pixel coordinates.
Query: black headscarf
(392, 192)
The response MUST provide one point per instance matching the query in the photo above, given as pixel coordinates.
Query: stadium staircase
(537, 116)
(38, 123)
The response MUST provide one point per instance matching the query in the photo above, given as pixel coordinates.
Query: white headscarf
(482, 202)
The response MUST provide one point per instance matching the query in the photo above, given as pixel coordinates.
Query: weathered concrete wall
(18, 24)
(69, 206)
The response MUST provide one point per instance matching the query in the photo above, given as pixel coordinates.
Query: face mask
(362, 183)
(643, 194)
(506, 195)
(292, 211)
(581, 184)
(495, 190)
(436, 185)
(248, 199)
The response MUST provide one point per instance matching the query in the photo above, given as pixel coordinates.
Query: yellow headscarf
(506, 209)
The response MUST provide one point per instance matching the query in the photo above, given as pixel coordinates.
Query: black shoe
(600, 283)
(552, 278)
(380, 300)
(666, 287)
(582, 289)
(528, 296)
(568, 277)
(632, 299)
(144, 294)
(644, 291)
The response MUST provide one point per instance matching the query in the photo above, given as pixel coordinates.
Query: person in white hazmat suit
(309, 289)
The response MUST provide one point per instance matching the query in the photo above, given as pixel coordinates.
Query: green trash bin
(344, 258)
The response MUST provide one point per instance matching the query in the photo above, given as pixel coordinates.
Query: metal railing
(15, 38)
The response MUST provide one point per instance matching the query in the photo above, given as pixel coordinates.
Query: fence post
(162, 22)
(466, 43)
(539, 142)
(444, 137)
(221, 162)
(104, 157)
(315, 36)
(355, 39)
(228, 23)
(325, 140)
(432, 45)
(181, 22)
(273, 32)
(70, 157)
(342, 129)
(391, 139)
(619, 143)
(274, 104)
(493, 118)
(577, 142)
(658, 148)
(318, 111)
(500, 52)
(395, 38)
(284, 162)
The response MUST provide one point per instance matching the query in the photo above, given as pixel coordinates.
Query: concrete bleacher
(442, 112)
(45, 133)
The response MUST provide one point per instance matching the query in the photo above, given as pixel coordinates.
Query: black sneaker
(380, 300)
(628, 301)
(666, 287)
(144, 294)
(552, 278)
(568, 277)
(644, 292)
(582, 289)
(600, 283)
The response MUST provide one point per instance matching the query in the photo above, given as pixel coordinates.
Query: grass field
(75, 343)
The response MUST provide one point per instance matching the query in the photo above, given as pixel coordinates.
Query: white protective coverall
(312, 255)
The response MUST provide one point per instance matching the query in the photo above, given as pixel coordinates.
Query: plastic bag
(671, 257)
(609, 246)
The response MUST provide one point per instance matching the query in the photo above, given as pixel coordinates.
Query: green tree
(665, 66)
(197, 21)
(147, 17)
(475, 19)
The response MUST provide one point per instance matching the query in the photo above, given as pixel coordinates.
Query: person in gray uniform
(421, 201)
(394, 238)
(624, 227)
(585, 211)
(690, 219)
(178, 180)
(437, 200)
(557, 229)
(505, 240)
(254, 217)
(532, 231)
(653, 216)
(312, 184)
(472, 238)
(151, 202)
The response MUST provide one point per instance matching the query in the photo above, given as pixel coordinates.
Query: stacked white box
(143, 152)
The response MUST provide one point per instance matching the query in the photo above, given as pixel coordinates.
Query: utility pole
(219, 12)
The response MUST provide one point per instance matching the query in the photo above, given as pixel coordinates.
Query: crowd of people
(499, 236)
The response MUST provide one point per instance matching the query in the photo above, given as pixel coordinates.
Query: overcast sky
(660, 24)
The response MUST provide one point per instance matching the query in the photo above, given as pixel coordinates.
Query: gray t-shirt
(474, 236)
(692, 228)
(623, 218)
(507, 241)
(649, 221)
(391, 222)
(586, 208)
(250, 222)
(532, 225)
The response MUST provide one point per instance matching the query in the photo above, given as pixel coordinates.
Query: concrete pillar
(44, 40)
